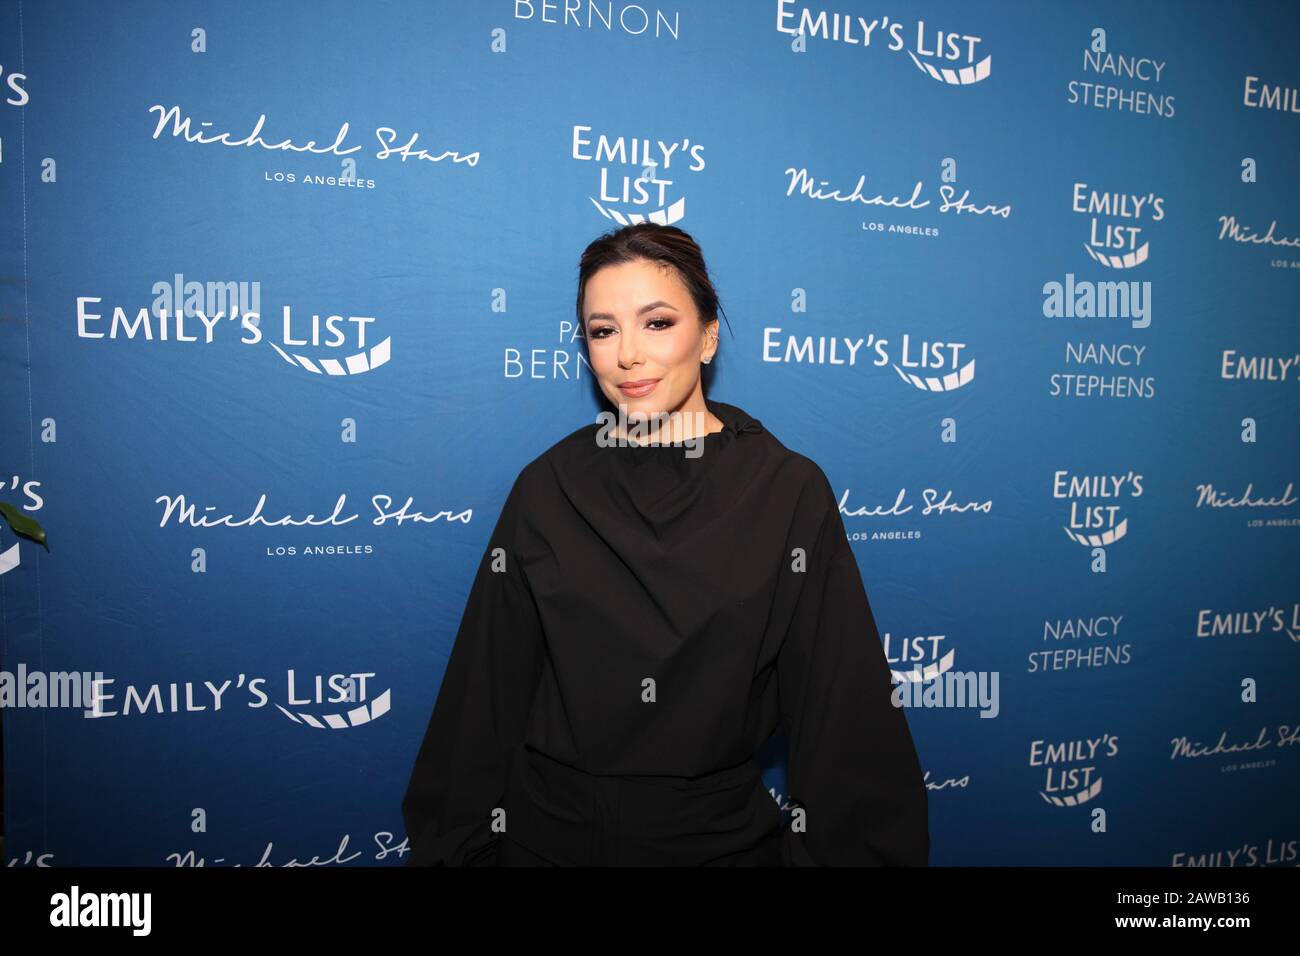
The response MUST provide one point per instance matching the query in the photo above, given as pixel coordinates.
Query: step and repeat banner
(287, 303)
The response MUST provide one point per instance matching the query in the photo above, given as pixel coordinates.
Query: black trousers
(557, 815)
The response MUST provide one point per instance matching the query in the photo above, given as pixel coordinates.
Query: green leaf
(23, 525)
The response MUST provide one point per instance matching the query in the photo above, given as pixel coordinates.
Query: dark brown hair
(651, 241)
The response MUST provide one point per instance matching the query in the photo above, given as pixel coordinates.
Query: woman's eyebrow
(641, 311)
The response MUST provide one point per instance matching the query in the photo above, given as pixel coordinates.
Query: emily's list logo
(1117, 222)
(192, 314)
(1072, 768)
(953, 57)
(640, 179)
(321, 701)
(1096, 505)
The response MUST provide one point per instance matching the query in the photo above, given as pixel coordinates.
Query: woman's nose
(628, 350)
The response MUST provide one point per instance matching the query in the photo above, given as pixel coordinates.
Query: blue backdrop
(1022, 277)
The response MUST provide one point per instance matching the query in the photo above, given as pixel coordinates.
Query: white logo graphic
(321, 695)
(959, 62)
(1073, 777)
(647, 190)
(1116, 225)
(913, 651)
(1095, 520)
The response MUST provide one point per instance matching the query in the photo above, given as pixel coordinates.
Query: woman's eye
(659, 325)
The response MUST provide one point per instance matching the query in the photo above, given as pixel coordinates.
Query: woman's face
(642, 327)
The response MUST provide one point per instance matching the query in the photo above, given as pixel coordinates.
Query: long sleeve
(852, 764)
(480, 716)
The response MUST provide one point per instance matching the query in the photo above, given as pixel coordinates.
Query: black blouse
(728, 580)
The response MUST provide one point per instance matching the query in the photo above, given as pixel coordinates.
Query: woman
(661, 591)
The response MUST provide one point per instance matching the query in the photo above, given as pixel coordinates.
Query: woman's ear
(710, 341)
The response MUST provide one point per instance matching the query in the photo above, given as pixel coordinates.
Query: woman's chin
(639, 409)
